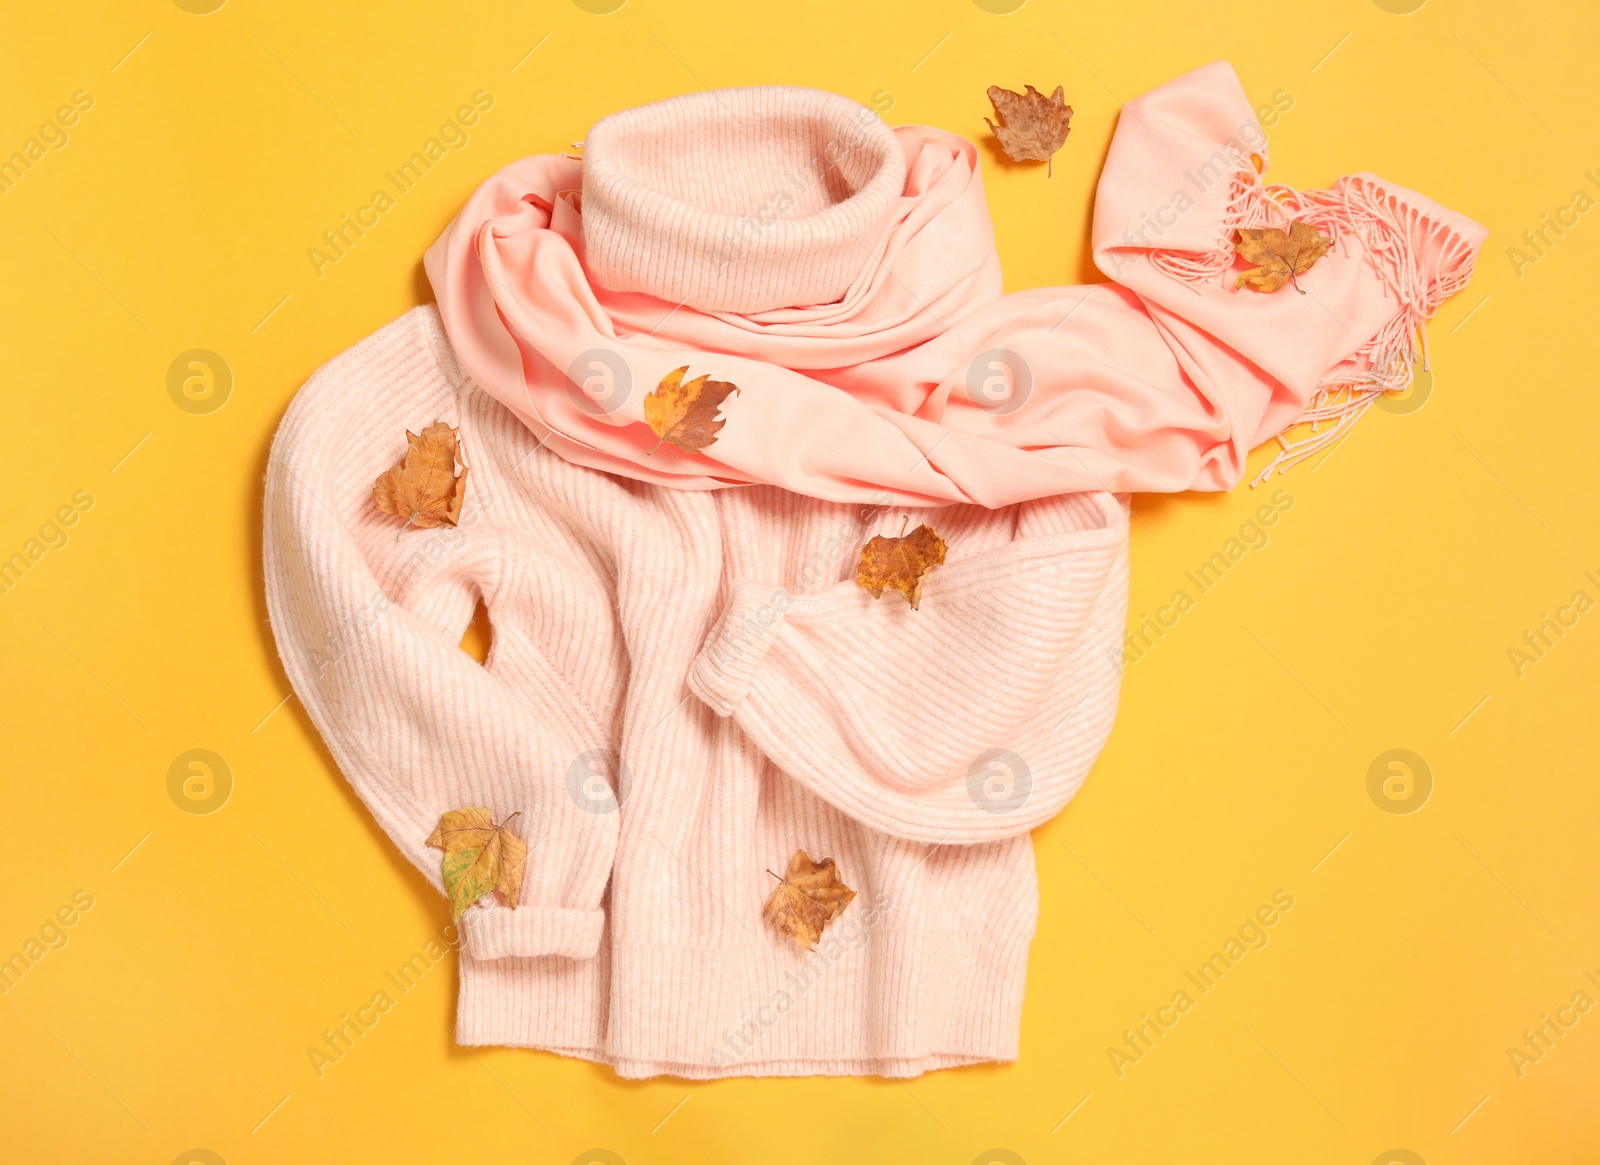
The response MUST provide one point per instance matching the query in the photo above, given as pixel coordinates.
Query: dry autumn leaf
(424, 488)
(900, 563)
(1032, 126)
(685, 415)
(809, 896)
(1279, 255)
(479, 857)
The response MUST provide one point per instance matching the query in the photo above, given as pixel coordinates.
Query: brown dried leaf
(685, 415)
(1033, 126)
(424, 488)
(809, 896)
(900, 563)
(479, 857)
(1279, 255)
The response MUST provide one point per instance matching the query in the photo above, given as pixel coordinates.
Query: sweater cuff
(498, 932)
(722, 673)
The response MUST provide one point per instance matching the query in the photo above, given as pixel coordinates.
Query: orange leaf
(685, 415)
(424, 487)
(1279, 255)
(809, 896)
(900, 563)
(479, 857)
(1033, 127)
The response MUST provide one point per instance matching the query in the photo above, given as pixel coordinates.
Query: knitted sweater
(709, 657)
(686, 685)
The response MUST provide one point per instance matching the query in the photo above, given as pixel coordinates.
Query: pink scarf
(843, 275)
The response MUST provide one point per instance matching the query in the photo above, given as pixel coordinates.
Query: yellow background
(1379, 615)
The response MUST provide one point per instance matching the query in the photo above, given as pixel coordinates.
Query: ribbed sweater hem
(882, 1019)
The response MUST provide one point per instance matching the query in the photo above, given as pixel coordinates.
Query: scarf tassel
(1420, 261)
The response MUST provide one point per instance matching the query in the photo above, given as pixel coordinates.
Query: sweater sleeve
(974, 718)
(368, 626)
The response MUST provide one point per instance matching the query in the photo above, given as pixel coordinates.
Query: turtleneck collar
(738, 200)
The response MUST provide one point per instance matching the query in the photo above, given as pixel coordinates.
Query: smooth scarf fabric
(917, 381)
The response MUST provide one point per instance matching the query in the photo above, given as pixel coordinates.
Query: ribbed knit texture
(686, 685)
(712, 654)
(767, 197)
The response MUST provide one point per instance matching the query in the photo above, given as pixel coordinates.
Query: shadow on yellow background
(1366, 727)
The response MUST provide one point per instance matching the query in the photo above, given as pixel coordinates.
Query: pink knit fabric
(685, 684)
(709, 656)
(748, 234)
(680, 179)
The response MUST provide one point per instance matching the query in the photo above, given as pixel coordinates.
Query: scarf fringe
(1420, 261)
(1252, 203)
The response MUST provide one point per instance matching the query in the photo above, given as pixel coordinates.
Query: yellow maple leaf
(1279, 255)
(424, 487)
(808, 897)
(685, 415)
(479, 857)
(900, 564)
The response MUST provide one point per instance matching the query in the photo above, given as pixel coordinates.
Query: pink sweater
(686, 685)
(709, 655)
